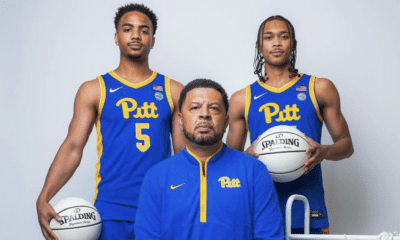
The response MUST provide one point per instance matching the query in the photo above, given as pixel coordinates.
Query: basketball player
(208, 190)
(282, 96)
(134, 110)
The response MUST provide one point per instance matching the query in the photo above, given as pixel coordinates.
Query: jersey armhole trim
(99, 135)
(247, 107)
(168, 93)
(314, 98)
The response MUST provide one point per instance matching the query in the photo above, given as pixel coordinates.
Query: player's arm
(237, 123)
(237, 132)
(69, 155)
(267, 219)
(342, 146)
(178, 138)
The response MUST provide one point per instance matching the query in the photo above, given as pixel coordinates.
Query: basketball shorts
(312, 231)
(112, 229)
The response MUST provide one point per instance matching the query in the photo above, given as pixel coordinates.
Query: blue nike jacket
(229, 196)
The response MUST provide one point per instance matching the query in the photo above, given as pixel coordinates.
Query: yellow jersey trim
(311, 89)
(134, 85)
(99, 136)
(203, 184)
(168, 93)
(281, 89)
(247, 107)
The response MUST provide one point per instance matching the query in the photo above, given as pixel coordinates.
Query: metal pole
(307, 235)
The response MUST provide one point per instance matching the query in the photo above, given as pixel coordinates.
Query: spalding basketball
(80, 220)
(283, 150)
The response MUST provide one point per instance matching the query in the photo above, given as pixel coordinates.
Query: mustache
(208, 124)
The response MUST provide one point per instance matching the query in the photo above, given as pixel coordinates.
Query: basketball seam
(77, 227)
(76, 207)
(287, 172)
(282, 152)
(283, 132)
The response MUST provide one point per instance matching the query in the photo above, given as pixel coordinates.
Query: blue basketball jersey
(133, 134)
(294, 105)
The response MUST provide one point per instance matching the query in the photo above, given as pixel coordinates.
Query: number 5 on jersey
(142, 137)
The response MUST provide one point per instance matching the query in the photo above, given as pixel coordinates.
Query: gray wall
(49, 48)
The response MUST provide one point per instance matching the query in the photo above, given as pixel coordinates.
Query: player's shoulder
(322, 83)
(238, 99)
(325, 90)
(239, 95)
(175, 84)
(90, 84)
(90, 91)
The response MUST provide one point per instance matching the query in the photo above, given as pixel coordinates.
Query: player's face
(203, 118)
(275, 43)
(134, 36)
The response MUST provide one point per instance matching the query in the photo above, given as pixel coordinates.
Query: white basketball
(283, 150)
(80, 220)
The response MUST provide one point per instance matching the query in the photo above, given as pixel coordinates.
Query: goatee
(135, 58)
(202, 140)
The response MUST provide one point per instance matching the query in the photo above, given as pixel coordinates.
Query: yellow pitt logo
(287, 114)
(130, 105)
(227, 182)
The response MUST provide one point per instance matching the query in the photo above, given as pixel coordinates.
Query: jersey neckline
(133, 85)
(281, 89)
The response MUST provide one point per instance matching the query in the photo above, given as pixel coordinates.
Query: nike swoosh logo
(114, 90)
(257, 97)
(175, 187)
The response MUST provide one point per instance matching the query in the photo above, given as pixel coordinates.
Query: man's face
(275, 43)
(203, 118)
(134, 36)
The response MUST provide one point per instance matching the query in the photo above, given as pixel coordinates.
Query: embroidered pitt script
(228, 183)
(175, 187)
(130, 105)
(287, 114)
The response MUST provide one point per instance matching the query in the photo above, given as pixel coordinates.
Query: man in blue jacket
(208, 190)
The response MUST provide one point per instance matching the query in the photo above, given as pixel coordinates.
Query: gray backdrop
(49, 48)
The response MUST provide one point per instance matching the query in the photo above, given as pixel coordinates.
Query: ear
(116, 38)
(226, 122)
(153, 42)
(180, 120)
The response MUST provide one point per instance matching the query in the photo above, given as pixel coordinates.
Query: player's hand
(318, 153)
(251, 150)
(45, 214)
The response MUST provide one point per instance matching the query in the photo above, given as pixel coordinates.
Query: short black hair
(203, 83)
(135, 7)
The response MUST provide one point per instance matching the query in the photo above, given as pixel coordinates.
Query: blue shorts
(112, 229)
(312, 231)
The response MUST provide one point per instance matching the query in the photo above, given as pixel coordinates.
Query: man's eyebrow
(278, 32)
(127, 24)
(213, 103)
(131, 25)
